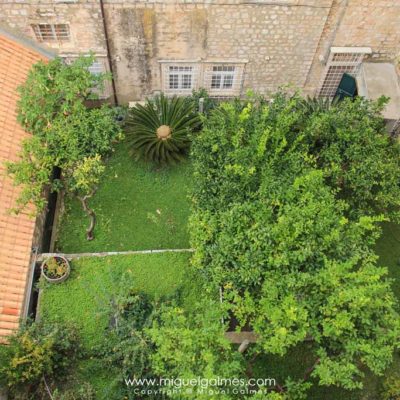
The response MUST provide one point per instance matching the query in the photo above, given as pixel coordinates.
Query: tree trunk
(92, 217)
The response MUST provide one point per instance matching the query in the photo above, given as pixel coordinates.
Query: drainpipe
(108, 51)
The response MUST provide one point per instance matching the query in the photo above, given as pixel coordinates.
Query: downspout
(103, 17)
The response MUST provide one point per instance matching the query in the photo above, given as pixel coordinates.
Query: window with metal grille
(341, 60)
(51, 32)
(96, 68)
(223, 79)
(179, 78)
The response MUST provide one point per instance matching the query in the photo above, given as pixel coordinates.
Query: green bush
(37, 352)
(286, 208)
(66, 134)
(160, 131)
(127, 347)
(208, 102)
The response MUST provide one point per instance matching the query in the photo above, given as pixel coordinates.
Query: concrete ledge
(43, 256)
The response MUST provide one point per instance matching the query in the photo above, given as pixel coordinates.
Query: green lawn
(138, 207)
(388, 248)
(84, 298)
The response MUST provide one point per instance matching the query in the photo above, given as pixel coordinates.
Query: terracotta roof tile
(16, 232)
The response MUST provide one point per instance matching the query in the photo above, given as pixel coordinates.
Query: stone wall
(358, 23)
(280, 42)
(277, 42)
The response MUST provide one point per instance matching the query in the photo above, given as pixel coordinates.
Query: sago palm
(160, 131)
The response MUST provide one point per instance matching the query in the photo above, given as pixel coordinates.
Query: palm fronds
(160, 131)
(312, 105)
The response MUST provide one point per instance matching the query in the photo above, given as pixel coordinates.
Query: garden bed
(84, 299)
(138, 207)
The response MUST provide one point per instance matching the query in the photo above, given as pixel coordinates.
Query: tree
(128, 346)
(349, 143)
(83, 179)
(291, 246)
(160, 131)
(66, 134)
(35, 356)
(193, 345)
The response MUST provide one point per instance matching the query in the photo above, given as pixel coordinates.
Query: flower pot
(61, 264)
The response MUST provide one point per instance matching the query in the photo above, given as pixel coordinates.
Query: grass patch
(388, 249)
(138, 207)
(85, 297)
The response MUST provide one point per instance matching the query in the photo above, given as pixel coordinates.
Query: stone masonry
(276, 42)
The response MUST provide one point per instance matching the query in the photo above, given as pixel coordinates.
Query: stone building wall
(84, 18)
(277, 41)
(358, 23)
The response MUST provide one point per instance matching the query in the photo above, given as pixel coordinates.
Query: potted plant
(55, 269)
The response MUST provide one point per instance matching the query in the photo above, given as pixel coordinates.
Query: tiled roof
(16, 231)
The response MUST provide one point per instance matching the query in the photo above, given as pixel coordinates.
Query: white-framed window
(219, 78)
(223, 80)
(51, 32)
(341, 60)
(179, 77)
(222, 77)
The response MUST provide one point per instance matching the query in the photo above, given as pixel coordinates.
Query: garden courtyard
(142, 207)
(264, 216)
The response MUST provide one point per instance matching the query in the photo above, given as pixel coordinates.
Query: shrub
(85, 391)
(160, 131)
(208, 102)
(287, 203)
(65, 134)
(127, 347)
(191, 345)
(37, 352)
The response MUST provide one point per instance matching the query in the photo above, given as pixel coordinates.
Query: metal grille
(338, 64)
(180, 78)
(223, 80)
(51, 32)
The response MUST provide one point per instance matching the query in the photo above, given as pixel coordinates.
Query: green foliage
(128, 194)
(86, 175)
(35, 352)
(284, 224)
(65, 133)
(193, 345)
(208, 102)
(119, 291)
(314, 105)
(160, 131)
(84, 391)
(359, 159)
(55, 88)
(128, 347)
